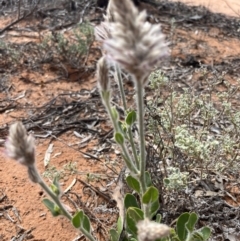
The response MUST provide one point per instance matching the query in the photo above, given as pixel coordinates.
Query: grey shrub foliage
(195, 129)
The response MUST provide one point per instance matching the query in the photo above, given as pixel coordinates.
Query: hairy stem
(58, 202)
(120, 84)
(133, 148)
(52, 195)
(123, 96)
(140, 112)
(128, 160)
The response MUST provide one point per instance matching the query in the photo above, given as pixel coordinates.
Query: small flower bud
(102, 75)
(150, 230)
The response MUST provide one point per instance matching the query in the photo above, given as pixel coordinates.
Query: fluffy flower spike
(20, 146)
(135, 44)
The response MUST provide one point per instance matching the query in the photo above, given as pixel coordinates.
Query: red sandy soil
(228, 7)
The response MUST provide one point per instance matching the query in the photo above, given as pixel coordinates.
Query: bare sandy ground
(229, 7)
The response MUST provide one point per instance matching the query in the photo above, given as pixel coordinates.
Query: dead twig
(101, 194)
(5, 207)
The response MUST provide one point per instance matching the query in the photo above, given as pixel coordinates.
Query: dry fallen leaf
(48, 155)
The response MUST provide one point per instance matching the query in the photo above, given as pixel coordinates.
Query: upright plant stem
(128, 160)
(120, 84)
(140, 112)
(114, 121)
(123, 96)
(133, 148)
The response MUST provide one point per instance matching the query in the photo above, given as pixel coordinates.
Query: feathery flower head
(135, 44)
(102, 31)
(150, 230)
(109, 17)
(20, 146)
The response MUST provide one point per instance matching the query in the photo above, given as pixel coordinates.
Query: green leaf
(158, 218)
(119, 225)
(192, 220)
(114, 113)
(114, 235)
(56, 182)
(173, 235)
(57, 209)
(181, 229)
(166, 181)
(196, 236)
(133, 216)
(48, 203)
(119, 138)
(86, 223)
(135, 213)
(148, 179)
(55, 189)
(150, 196)
(131, 118)
(206, 232)
(154, 208)
(77, 219)
(52, 207)
(131, 225)
(130, 201)
(81, 220)
(56, 186)
(133, 183)
(122, 127)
